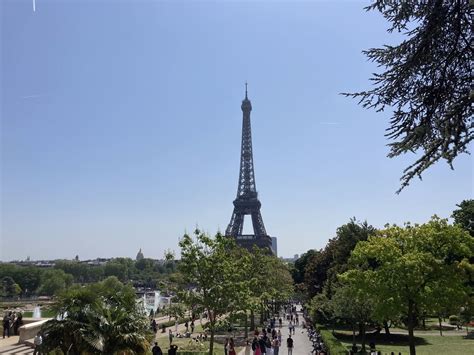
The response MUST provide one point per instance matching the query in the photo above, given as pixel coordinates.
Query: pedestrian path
(301, 343)
(17, 349)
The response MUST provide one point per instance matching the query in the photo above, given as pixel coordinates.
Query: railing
(28, 331)
(246, 237)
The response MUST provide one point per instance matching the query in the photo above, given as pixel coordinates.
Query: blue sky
(120, 125)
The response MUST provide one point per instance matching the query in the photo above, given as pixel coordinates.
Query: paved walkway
(10, 346)
(301, 342)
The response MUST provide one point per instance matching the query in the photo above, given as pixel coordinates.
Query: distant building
(274, 246)
(140, 255)
(290, 260)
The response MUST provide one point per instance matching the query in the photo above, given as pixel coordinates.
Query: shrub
(334, 346)
(453, 320)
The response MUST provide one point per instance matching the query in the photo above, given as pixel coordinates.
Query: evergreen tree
(427, 81)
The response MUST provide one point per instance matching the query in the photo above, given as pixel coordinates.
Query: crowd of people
(11, 322)
(269, 340)
(319, 348)
(266, 341)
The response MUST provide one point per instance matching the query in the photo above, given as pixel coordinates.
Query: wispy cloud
(32, 96)
(330, 123)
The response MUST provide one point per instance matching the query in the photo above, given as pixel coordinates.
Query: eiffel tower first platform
(247, 202)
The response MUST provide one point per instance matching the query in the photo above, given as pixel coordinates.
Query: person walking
(261, 343)
(170, 336)
(18, 323)
(192, 326)
(231, 347)
(156, 350)
(37, 341)
(6, 325)
(256, 346)
(226, 346)
(289, 344)
(275, 345)
(268, 345)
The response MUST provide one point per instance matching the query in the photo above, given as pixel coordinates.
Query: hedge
(334, 346)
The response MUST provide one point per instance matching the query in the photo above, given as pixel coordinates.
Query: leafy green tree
(300, 266)
(406, 269)
(27, 277)
(175, 311)
(99, 318)
(320, 309)
(145, 264)
(464, 216)
(324, 266)
(53, 281)
(208, 266)
(81, 272)
(119, 268)
(9, 288)
(444, 301)
(426, 80)
(355, 305)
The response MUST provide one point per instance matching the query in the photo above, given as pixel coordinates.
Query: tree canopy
(212, 276)
(322, 267)
(409, 269)
(464, 216)
(427, 81)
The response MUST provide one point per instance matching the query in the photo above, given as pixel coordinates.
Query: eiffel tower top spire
(246, 104)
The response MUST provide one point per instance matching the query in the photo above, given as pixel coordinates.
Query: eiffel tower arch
(247, 202)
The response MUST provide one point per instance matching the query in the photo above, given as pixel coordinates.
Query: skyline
(121, 126)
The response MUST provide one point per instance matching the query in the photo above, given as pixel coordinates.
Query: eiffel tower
(247, 202)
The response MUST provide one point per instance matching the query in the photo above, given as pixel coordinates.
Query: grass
(189, 345)
(46, 313)
(457, 344)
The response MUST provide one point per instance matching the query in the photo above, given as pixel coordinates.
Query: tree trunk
(252, 320)
(246, 326)
(362, 334)
(424, 323)
(411, 326)
(387, 328)
(211, 343)
(440, 327)
(353, 335)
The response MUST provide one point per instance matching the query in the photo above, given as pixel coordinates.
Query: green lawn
(190, 345)
(425, 344)
(44, 314)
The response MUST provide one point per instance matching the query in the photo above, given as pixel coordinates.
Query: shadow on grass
(470, 335)
(382, 339)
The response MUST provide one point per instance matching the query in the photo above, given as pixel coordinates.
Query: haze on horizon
(121, 125)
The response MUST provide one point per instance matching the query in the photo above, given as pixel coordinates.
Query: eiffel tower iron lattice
(247, 202)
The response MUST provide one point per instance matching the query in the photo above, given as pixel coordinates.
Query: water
(37, 312)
